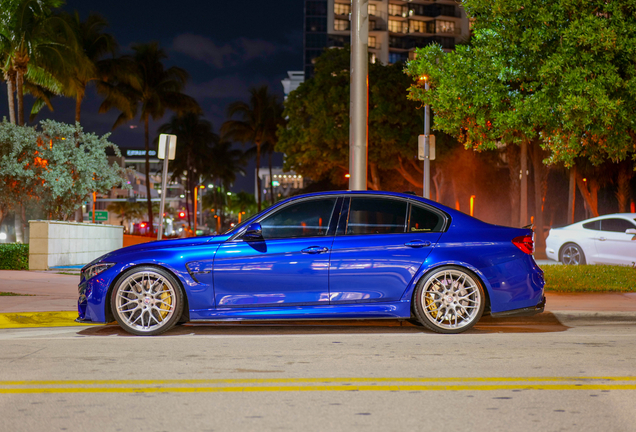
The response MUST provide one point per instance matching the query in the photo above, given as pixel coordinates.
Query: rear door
(380, 244)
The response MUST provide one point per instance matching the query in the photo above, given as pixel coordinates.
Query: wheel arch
(185, 313)
(410, 292)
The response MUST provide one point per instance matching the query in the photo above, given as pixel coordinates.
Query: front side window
(616, 225)
(376, 216)
(304, 219)
(424, 220)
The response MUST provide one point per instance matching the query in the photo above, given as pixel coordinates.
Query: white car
(609, 239)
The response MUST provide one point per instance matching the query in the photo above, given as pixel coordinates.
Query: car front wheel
(572, 254)
(449, 300)
(147, 301)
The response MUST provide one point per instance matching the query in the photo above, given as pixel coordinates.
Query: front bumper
(528, 311)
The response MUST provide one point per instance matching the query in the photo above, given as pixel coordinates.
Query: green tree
(58, 165)
(316, 138)
(259, 119)
(144, 86)
(556, 76)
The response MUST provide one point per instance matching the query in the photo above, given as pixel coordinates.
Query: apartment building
(396, 27)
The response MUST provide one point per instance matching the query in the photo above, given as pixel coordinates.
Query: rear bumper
(528, 311)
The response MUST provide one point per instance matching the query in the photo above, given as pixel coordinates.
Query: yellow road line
(39, 319)
(312, 380)
(337, 388)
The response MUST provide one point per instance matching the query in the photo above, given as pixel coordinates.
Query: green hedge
(14, 256)
(589, 278)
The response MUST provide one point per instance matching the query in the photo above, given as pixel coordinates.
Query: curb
(39, 319)
(596, 317)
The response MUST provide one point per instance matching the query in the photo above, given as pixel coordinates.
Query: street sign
(100, 215)
(169, 141)
(431, 147)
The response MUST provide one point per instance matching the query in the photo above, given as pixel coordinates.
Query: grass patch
(589, 278)
(10, 294)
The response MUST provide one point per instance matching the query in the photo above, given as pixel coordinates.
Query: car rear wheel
(147, 301)
(572, 254)
(449, 300)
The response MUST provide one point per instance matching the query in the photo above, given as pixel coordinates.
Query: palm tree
(35, 42)
(196, 139)
(257, 125)
(90, 65)
(225, 162)
(144, 86)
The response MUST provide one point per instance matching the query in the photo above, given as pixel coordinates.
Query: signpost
(167, 146)
(100, 216)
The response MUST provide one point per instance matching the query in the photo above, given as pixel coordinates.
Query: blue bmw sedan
(346, 255)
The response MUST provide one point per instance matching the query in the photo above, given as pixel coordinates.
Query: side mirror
(253, 232)
(630, 231)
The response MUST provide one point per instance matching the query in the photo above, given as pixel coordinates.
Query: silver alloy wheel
(572, 255)
(145, 301)
(451, 299)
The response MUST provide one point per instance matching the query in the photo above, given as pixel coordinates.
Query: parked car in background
(609, 239)
(326, 255)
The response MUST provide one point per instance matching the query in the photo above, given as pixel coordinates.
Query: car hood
(157, 245)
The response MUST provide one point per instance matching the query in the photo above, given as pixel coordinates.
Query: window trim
(335, 213)
(343, 223)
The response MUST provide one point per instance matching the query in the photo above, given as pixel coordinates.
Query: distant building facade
(284, 183)
(396, 27)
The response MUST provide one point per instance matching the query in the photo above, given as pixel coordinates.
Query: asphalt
(50, 299)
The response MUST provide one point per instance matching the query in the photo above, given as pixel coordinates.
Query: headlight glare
(96, 269)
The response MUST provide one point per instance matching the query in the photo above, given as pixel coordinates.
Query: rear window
(376, 216)
(424, 220)
(596, 225)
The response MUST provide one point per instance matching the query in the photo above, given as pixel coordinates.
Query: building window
(445, 26)
(316, 25)
(372, 42)
(316, 8)
(340, 25)
(372, 9)
(417, 26)
(341, 9)
(395, 57)
(398, 10)
(396, 26)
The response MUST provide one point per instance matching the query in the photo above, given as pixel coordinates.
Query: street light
(427, 144)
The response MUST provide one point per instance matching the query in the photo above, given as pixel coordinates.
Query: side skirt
(400, 309)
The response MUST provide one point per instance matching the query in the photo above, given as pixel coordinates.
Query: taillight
(525, 243)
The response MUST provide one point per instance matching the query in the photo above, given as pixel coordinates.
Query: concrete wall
(54, 243)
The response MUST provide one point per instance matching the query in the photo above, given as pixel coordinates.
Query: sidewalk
(51, 292)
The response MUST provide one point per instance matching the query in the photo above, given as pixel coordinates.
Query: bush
(589, 278)
(14, 256)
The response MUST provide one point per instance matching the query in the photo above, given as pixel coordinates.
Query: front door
(613, 245)
(377, 254)
(288, 266)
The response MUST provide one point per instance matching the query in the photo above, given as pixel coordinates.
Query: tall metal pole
(358, 111)
(427, 148)
(164, 189)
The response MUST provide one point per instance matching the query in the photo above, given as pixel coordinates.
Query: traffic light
(182, 215)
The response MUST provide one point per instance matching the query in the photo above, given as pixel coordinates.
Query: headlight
(96, 269)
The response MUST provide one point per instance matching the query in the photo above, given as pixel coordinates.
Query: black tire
(572, 254)
(454, 292)
(146, 294)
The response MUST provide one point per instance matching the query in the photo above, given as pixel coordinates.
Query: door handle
(314, 250)
(417, 243)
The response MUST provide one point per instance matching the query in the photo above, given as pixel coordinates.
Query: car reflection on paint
(346, 255)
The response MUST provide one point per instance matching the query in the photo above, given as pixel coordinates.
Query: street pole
(167, 149)
(358, 109)
(427, 148)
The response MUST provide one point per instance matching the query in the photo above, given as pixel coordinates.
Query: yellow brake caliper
(166, 302)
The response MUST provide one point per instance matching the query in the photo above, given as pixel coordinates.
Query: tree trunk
(625, 173)
(78, 107)
(271, 178)
(10, 78)
(375, 177)
(512, 154)
(589, 195)
(539, 188)
(258, 176)
(20, 90)
(572, 195)
(149, 197)
(523, 207)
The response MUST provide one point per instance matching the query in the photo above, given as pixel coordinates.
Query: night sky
(226, 46)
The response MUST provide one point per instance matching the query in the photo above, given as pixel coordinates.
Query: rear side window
(596, 225)
(424, 220)
(616, 225)
(376, 216)
(304, 219)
